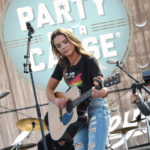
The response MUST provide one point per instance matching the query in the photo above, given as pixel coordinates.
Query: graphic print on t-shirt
(77, 81)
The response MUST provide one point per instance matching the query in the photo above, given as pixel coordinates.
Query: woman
(80, 69)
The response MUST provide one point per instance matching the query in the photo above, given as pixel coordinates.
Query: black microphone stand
(28, 69)
(139, 86)
(142, 86)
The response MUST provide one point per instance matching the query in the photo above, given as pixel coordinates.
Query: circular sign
(103, 26)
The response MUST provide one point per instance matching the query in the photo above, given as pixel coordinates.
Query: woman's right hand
(60, 102)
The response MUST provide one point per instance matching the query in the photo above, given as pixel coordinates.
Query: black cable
(19, 109)
(118, 98)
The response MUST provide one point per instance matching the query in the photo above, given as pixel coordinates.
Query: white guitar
(61, 121)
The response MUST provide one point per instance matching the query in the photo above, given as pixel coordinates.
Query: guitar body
(59, 119)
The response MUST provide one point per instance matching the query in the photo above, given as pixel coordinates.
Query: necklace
(75, 59)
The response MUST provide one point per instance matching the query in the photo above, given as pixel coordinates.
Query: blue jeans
(93, 134)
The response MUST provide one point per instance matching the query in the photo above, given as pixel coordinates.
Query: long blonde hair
(71, 38)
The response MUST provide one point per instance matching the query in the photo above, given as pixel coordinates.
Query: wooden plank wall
(21, 93)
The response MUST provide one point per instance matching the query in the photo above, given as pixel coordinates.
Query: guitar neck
(82, 98)
(107, 83)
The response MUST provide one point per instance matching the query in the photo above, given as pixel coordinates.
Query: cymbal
(21, 147)
(30, 124)
(123, 130)
(137, 120)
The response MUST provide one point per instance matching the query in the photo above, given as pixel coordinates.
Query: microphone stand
(137, 85)
(138, 118)
(28, 69)
(147, 91)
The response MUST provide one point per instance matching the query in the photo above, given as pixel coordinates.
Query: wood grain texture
(22, 96)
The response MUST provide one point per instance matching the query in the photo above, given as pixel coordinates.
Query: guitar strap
(86, 74)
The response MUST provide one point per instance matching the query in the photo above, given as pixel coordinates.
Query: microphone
(113, 61)
(3, 94)
(29, 27)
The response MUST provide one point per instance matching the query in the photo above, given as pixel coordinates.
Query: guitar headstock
(114, 79)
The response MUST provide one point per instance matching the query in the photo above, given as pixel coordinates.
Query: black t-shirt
(74, 74)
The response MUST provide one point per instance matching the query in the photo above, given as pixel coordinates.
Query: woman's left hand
(99, 93)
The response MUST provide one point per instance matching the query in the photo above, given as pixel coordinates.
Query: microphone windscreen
(3, 94)
(112, 61)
